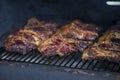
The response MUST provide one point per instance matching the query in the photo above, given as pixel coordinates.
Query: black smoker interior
(15, 13)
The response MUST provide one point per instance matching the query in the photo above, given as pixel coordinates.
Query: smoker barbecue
(67, 40)
(107, 47)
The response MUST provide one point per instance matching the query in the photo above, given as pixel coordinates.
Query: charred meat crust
(71, 37)
(107, 47)
(29, 37)
(42, 35)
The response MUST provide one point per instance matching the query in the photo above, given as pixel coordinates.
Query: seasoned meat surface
(107, 47)
(72, 37)
(57, 45)
(80, 30)
(96, 52)
(111, 39)
(29, 37)
(69, 38)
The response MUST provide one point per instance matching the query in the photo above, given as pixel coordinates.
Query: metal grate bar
(60, 61)
(92, 65)
(71, 61)
(74, 63)
(51, 59)
(87, 64)
(25, 57)
(10, 56)
(31, 57)
(98, 65)
(47, 60)
(54, 60)
(15, 57)
(79, 61)
(81, 65)
(19, 58)
(40, 58)
(35, 58)
(67, 61)
(44, 60)
(3, 54)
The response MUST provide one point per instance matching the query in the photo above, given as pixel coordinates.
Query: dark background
(15, 13)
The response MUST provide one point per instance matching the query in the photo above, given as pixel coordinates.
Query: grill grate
(71, 61)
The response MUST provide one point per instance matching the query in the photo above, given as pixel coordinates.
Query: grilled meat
(107, 47)
(57, 45)
(70, 38)
(111, 39)
(35, 24)
(80, 30)
(28, 38)
(37, 34)
(95, 52)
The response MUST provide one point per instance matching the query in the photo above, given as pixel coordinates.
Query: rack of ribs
(107, 47)
(30, 36)
(72, 37)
